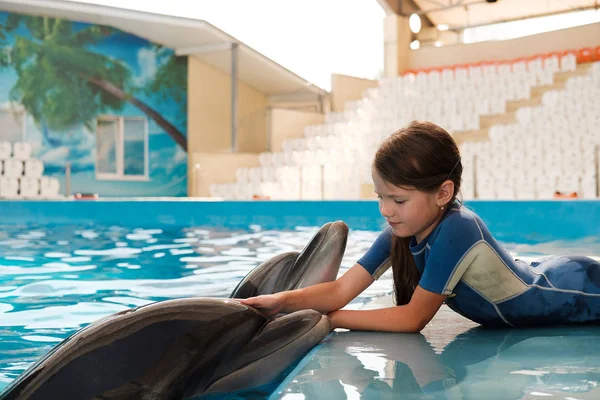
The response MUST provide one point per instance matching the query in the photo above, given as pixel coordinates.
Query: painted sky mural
(109, 103)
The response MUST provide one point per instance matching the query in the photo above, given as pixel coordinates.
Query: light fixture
(415, 44)
(414, 23)
(443, 27)
(438, 44)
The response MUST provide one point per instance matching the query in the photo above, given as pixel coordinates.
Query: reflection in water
(57, 279)
(562, 362)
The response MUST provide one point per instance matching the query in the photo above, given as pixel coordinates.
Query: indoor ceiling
(459, 14)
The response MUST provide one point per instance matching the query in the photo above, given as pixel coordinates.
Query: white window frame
(120, 151)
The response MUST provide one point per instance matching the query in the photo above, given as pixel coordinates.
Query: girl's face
(410, 212)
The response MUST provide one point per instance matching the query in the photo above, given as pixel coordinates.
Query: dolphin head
(318, 262)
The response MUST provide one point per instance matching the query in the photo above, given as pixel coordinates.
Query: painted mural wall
(111, 104)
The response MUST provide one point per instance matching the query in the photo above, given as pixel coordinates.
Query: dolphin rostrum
(179, 349)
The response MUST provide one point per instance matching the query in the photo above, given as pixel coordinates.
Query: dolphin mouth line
(320, 241)
(323, 319)
(312, 255)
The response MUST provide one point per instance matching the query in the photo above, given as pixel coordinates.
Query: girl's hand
(269, 304)
(332, 319)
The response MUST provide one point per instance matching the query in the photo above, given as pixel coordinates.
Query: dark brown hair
(422, 155)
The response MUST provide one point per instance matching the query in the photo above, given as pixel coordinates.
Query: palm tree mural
(61, 82)
(170, 81)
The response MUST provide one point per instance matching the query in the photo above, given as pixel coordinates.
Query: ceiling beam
(436, 3)
(449, 7)
(405, 8)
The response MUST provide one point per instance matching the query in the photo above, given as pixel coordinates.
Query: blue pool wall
(512, 221)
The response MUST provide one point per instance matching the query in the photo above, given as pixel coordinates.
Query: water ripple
(56, 279)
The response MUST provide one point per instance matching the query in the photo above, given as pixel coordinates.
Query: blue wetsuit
(460, 258)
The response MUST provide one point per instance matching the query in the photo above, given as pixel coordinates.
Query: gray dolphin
(179, 349)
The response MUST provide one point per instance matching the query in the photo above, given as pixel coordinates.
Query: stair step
(488, 120)
(582, 69)
(540, 90)
(470, 136)
(367, 191)
(514, 105)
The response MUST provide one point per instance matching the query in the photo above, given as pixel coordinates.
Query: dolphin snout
(321, 259)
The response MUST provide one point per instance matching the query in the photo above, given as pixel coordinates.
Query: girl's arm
(412, 317)
(323, 297)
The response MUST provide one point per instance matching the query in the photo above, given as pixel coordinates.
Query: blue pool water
(55, 279)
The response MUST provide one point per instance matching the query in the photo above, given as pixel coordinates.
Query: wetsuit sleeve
(449, 254)
(377, 259)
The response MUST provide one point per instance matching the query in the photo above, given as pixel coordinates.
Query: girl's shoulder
(458, 212)
(460, 220)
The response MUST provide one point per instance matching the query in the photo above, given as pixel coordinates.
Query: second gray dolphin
(179, 349)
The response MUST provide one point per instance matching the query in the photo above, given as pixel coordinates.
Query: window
(122, 148)
(530, 26)
(12, 121)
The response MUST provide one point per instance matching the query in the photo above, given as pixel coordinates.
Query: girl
(441, 252)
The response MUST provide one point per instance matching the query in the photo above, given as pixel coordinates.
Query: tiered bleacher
(552, 147)
(22, 176)
(549, 149)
